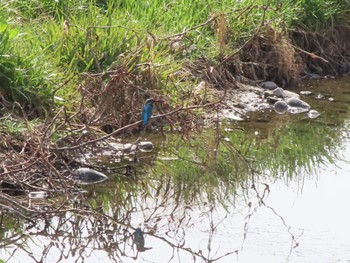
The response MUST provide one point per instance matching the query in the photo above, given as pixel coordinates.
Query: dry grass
(328, 50)
(271, 57)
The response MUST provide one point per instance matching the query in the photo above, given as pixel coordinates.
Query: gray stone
(145, 146)
(313, 114)
(280, 107)
(270, 85)
(297, 103)
(314, 76)
(290, 94)
(285, 94)
(279, 92)
(87, 176)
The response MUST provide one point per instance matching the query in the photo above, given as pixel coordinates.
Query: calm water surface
(275, 190)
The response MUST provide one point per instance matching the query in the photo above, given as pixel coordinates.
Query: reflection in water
(178, 228)
(220, 196)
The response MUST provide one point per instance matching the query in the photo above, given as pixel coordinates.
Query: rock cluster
(284, 101)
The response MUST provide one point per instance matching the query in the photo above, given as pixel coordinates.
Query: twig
(20, 170)
(312, 55)
(190, 29)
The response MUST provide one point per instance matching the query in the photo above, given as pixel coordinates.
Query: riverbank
(55, 54)
(76, 75)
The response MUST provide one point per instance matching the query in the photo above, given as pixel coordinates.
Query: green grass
(38, 54)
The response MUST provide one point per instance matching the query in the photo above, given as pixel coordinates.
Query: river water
(270, 188)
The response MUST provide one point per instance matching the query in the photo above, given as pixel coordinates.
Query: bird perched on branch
(147, 110)
(139, 240)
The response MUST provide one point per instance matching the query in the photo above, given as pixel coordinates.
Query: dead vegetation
(326, 52)
(272, 57)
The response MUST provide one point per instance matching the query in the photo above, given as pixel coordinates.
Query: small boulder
(269, 85)
(297, 103)
(290, 94)
(279, 92)
(280, 107)
(285, 94)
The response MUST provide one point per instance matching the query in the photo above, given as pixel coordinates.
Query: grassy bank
(47, 46)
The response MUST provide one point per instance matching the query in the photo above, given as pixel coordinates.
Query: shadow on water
(190, 199)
